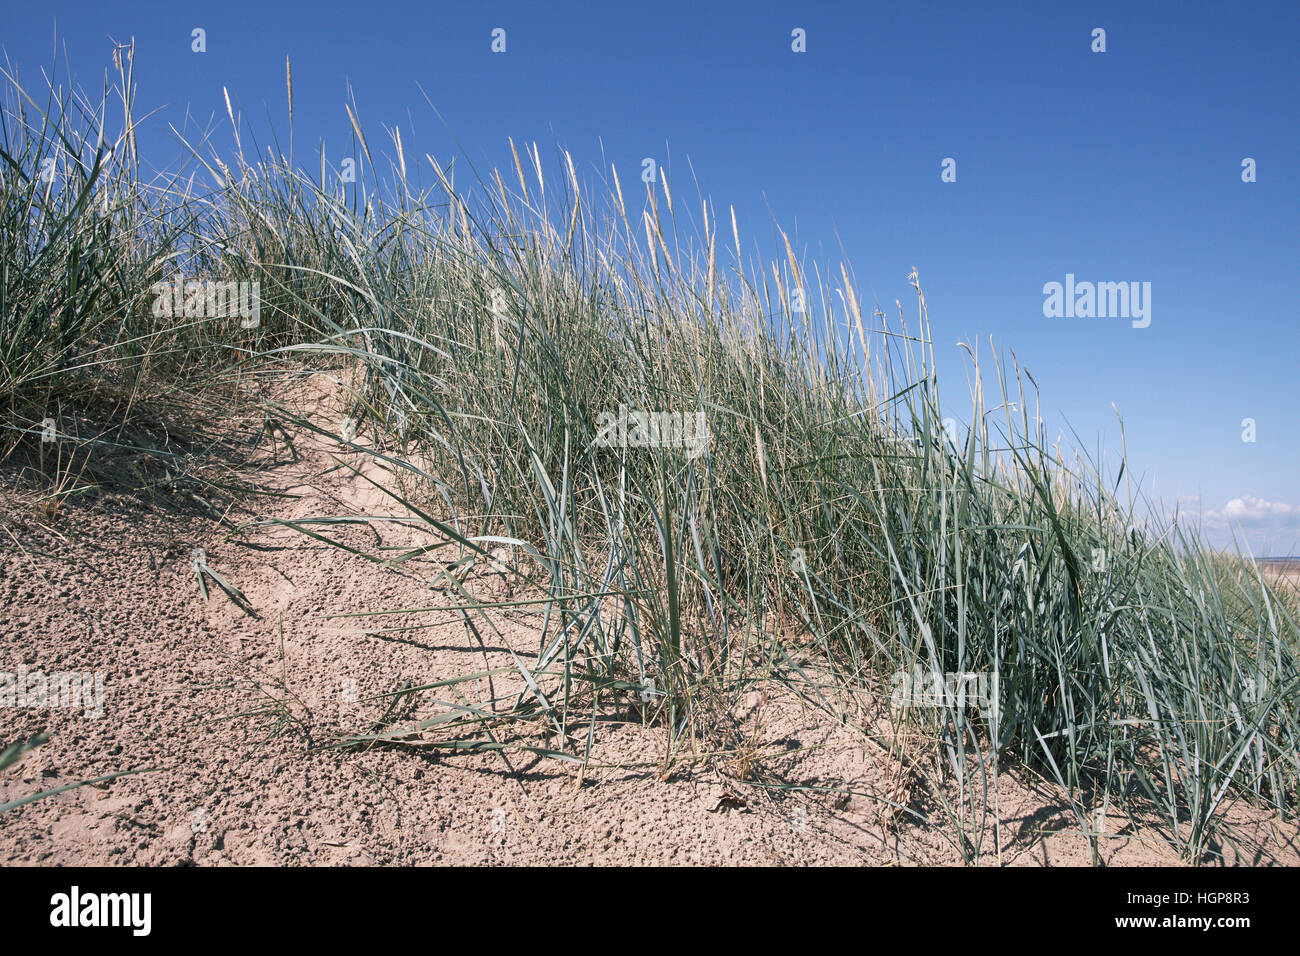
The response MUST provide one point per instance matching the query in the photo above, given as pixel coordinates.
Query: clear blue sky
(1115, 166)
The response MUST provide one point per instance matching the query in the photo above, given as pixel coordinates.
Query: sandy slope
(107, 584)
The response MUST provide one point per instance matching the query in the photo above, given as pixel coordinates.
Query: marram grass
(832, 532)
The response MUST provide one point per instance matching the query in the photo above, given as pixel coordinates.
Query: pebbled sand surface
(236, 709)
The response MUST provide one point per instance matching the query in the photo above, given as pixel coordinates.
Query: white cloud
(1262, 527)
(1249, 511)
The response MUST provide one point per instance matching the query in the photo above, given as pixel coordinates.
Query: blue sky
(1115, 166)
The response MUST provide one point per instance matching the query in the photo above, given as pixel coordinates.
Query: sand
(235, 710)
